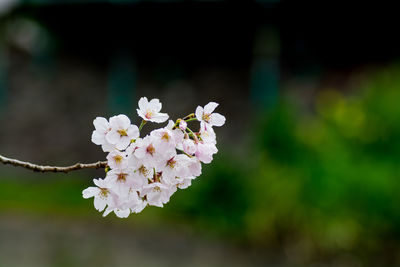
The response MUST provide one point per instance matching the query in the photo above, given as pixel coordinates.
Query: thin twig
(39, 168)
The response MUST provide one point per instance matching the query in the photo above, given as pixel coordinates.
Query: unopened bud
(182, 125)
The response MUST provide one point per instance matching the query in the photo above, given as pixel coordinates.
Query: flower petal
(123, 143)
(122, 213)
(159, 117)
(170, 125)
(154, 199)
(203, 126)
(98, 182)
(120, 122)
(155, 105)
(141, 113)
(143, 103)
(99, 204)
(107, 211)
(133, 132)
(199, 113)
(217, 119)
(210, 107)
(98, 138)
(107, 147)
(101, 124)
(113, 137)
(90, 192)
(139, 207)
(140, 152)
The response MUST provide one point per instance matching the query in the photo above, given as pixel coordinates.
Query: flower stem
(142, 124)
(191, 133)
(190, 116)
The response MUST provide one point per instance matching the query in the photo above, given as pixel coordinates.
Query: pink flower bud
(182, 125)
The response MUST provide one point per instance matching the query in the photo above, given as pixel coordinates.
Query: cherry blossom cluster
(149, 170)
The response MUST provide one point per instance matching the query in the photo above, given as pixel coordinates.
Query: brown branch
(39, 168)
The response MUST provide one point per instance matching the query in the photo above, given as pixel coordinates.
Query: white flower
(117, 160)
(134, 202)
(207, 118)
(144, 173)
(164, 139)
(121, 213)
(185, 183)
(208, 136)
(122, 132)
(194, 166)
(177, 134)
(150, 111)
(102, 128)
(120, 179)
(157, 194)
(175, 166)
(205, 152)
(102, 194)
(148, 152)
(134, 161)
(148, 171)
(129, 201)
(139, 206)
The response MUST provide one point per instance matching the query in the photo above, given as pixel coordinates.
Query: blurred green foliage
(313, 183)
(327, 179)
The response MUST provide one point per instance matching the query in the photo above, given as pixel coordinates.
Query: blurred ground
(57, 241)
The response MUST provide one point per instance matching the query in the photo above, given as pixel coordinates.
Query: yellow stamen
(118, 158)
(206, 117)
(165, 137)
(103, 192)
(122, 132)
(151, 150)
(122, 177)
(143, 170)
(156, 189)
(171, 163)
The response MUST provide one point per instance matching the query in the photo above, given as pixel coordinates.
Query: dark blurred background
(307, 172)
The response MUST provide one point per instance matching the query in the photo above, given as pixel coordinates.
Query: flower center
(122, 132)
(143, 170)
(206, 117)
(103, 192)
(157, 177)
(165, 137)
(149, 114)
(122, 177)
(171, 163)
(118, 158)
(156, 189)
(151, 149)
